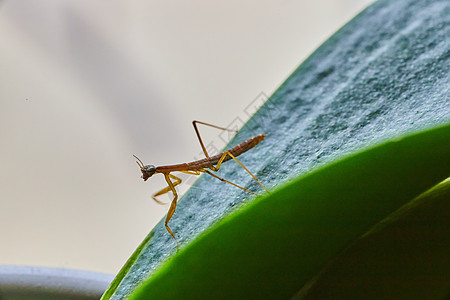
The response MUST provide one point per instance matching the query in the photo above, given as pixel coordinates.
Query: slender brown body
(209, 162)
(205, 165)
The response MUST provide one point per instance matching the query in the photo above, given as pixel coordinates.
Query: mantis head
(147, 170)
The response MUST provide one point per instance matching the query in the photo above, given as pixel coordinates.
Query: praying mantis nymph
(205, 165)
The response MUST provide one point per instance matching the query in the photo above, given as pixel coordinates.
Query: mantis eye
(148, 171)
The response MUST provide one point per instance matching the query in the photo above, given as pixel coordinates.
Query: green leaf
(381, 76)
(272, 247)
(115, 283)
(405, 256)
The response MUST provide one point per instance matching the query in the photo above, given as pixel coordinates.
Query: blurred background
(84, 85)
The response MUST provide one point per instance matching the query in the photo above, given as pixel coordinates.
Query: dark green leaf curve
(405, 256)
(276, 244)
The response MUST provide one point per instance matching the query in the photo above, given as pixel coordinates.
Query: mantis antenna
(141, 165)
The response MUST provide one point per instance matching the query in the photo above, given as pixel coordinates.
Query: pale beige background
(86, 84)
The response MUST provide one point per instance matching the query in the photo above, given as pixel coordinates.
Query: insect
(205, 165)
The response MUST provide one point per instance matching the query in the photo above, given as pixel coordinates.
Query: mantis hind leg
(224, 180)
(194, 123)
(217, 167)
